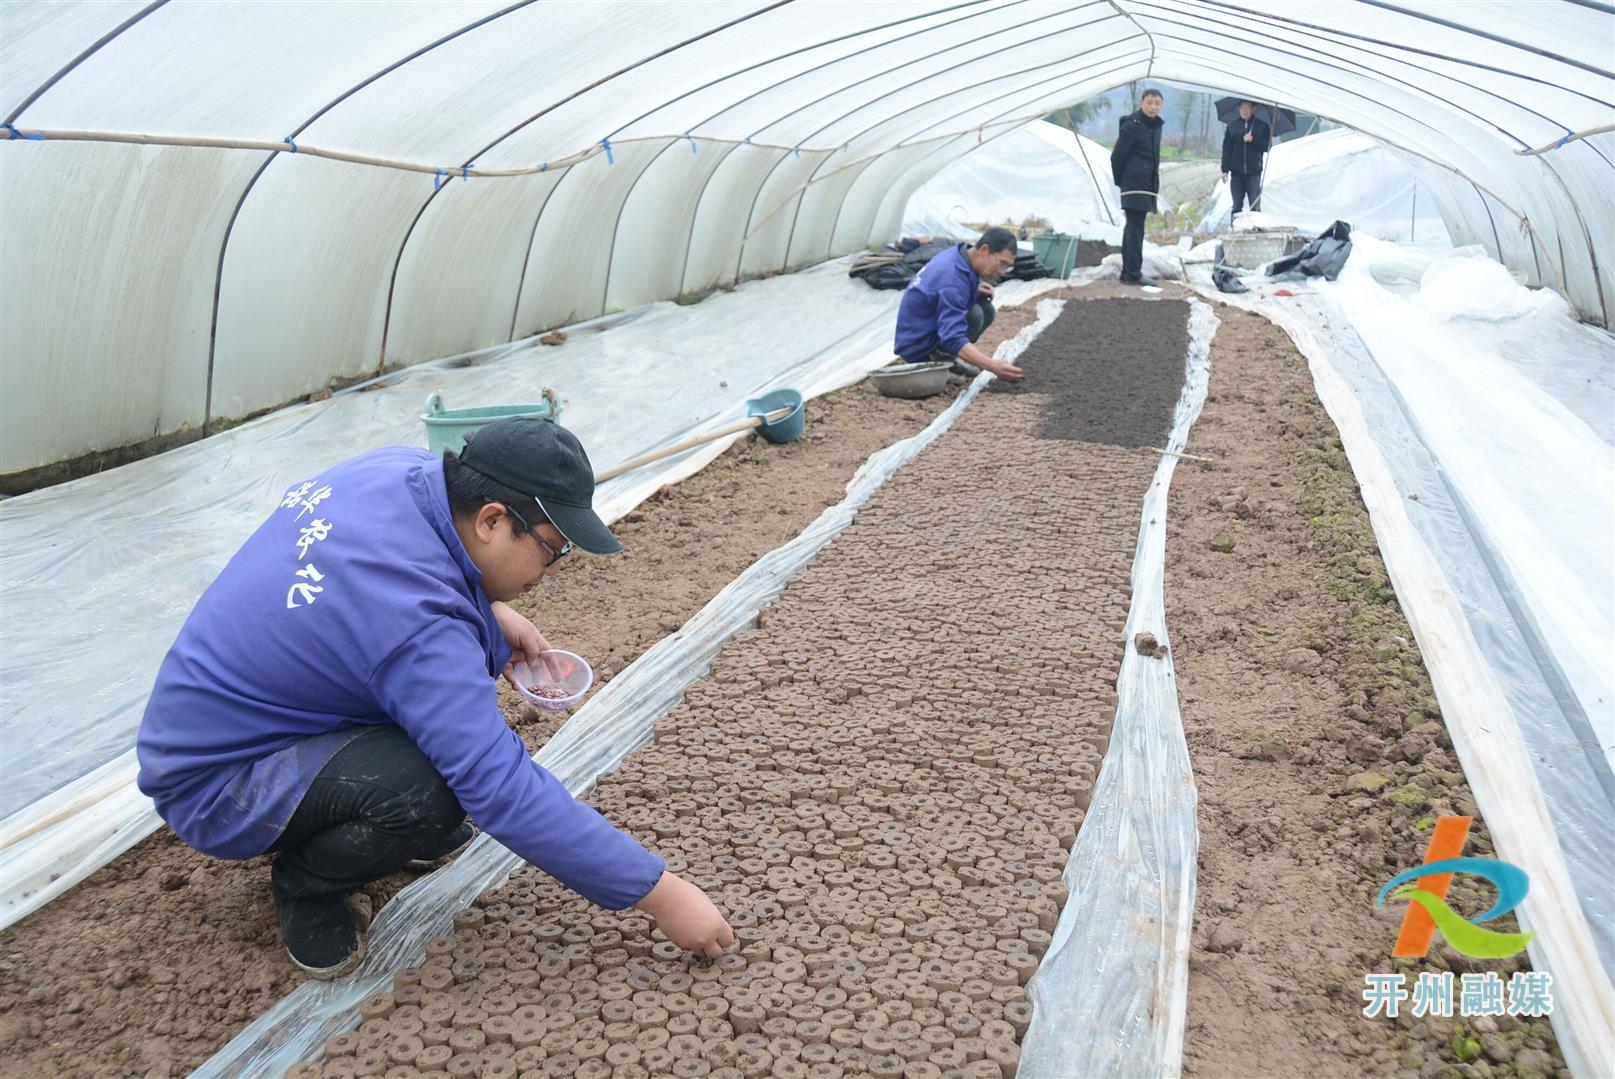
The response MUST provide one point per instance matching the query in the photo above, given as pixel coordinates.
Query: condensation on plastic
(1043, 169)
(616, 721)
(1110, 994)
(1534, 752)
(157, 531)
(1341, 175)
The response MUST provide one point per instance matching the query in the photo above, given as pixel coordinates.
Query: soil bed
(1119, 376)
(157, 959)
(1323, 782)
(880, 785)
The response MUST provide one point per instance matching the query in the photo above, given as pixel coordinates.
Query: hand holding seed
(687, 917)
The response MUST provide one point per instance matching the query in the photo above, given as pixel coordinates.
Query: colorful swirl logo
(1424, 887)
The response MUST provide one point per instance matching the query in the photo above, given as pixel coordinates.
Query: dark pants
(1245, 186)
(377, 804)
(978, 318)
(1133, 245)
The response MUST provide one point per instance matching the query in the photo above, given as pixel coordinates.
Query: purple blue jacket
(355, 604)
(933, 314)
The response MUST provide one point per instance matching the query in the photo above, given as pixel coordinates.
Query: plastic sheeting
(1341, 175)
(150, 287)
(74, 694)
(1042, 170)
(617, 720)
(1110, 995)
(1450, 490)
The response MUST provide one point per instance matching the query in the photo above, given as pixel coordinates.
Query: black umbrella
(1279, 121)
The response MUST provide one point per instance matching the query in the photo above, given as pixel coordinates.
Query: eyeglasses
(554, 555)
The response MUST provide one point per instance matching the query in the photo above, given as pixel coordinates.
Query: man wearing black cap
(331, 698)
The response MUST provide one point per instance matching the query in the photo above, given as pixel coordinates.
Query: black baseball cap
(543, 460)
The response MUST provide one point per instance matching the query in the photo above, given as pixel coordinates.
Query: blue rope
(35, 137)
(610, 159)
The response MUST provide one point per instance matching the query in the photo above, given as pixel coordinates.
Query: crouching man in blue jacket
(949, 304)
(331, 698)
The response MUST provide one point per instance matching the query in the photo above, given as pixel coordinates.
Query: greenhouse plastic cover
(74, 693)
(154, 287)
(1477, 416)
(591, 743)
(1042, 170)
(1341, 175)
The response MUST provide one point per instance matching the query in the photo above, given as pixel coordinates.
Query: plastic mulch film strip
(1110, 995)
(616, 721)
(625, 391)
(1526, 752)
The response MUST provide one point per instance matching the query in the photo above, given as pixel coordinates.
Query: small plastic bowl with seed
(556, 681)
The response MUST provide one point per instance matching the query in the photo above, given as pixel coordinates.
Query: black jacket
(1239, 155)
(1135, 163)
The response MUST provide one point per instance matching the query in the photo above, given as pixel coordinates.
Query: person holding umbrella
(1245, 143)
(1135, 165)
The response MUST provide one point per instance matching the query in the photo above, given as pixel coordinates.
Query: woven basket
(1255, 248)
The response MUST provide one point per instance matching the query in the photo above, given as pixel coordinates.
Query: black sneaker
(451, 843)
(320, 935)
(1143, 282)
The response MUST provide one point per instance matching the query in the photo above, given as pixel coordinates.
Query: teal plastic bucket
(1057, 251)
(786, 428)
(448, 428)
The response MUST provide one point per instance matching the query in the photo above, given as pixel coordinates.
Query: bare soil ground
(160, 957)
(1317, 746)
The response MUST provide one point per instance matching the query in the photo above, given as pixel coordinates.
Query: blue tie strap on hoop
(437, 179)
(692, 143)
(610, 158)
(797, 150)
(14, 133)
(465, 170)
(545, 167)
(288, 141)
(1568, 135)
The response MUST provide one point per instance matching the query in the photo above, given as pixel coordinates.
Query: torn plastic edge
(593, 742)
(1484, 729)
(1110, 996)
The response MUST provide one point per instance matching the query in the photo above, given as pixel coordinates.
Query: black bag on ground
(1323, 257)
(1227, 281)
(1028, 268)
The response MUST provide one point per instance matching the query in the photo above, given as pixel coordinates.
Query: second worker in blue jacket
(948, 305)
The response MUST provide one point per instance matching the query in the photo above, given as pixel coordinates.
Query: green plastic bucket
(447, 428)
(1057, 251)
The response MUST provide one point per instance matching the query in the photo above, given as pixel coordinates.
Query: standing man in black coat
(1243, 143)
(1135, 165)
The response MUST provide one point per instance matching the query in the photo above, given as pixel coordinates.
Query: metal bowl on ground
(912, 380)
